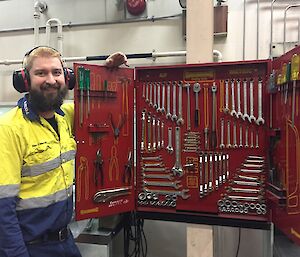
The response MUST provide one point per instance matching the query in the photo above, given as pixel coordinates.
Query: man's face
(47, 84)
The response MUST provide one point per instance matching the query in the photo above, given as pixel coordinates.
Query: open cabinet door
(104, 136)
(284, 186)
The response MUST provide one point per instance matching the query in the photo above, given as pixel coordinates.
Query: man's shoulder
(12, 117)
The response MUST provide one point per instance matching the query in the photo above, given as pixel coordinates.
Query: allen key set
(216, 139)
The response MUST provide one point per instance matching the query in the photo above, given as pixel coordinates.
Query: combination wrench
(214, 115)
(169, 147)
(174, 116)
(233, 111)
(168, 115)
(177, 168)
(180, 120)
(251, 102)
(260, 119)
(245, 115)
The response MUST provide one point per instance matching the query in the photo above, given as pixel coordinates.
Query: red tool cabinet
(214, 142)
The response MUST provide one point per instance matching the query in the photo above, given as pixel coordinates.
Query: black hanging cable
(239, 243)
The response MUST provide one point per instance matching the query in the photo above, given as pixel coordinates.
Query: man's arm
(11, 239)
(115, 60)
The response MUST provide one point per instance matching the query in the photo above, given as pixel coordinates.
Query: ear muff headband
(21, 78)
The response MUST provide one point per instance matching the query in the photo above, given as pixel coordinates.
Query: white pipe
(257, 30)
(284, 24)
(216, 53)
(39, 7)
(271, 30)
(59, 33)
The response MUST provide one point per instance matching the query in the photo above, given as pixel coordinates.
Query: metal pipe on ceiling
(58, 23)
(216, 54)
(284, 24)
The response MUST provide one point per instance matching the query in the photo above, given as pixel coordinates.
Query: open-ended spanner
(174, 116)
(153, 134)
(201, 189)
(174, 184)
(182, 193)
(260, 119)
(196, 89)
(226, 109)
(213, 140)
(143, 130)
(177, 168)
(241, 136)
(162, 139)
(245, 115)
(251, 102)
(169, 147)
(180, 120)
(152, 158)
(144, 90)
(233, 111)
(228, 145)
(158, 97)
(168, 115)
(155, 169)
(147, 92)
(222, 145)
(235, 145)
(158, 176)
(158, 134)
(149, 145)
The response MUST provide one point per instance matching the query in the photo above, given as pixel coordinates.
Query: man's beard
(42, 101)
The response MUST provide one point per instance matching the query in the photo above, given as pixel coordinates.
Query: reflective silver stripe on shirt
(9, 190)
(41, 202)
(35, 170)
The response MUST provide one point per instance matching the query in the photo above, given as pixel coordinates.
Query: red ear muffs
(21, 79)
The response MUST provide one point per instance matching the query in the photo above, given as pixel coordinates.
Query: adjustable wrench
(259, 119)
(180, 120)
(177, 168)
(174, 116)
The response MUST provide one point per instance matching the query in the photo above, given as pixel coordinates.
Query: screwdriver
(81, 87)
(87, 88)
(294, 75)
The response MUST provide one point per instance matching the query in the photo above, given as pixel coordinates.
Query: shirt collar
(28, 111)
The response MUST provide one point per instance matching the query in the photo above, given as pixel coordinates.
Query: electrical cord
(238, 244)
(134, 232)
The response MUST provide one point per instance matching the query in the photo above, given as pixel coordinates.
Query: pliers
(98, 168)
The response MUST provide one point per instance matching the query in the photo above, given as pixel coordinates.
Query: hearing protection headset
(21, 78)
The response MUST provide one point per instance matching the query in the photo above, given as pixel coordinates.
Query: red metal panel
(284, 202)
(111, 109)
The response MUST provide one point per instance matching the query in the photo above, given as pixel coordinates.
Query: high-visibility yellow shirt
(36, 175)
